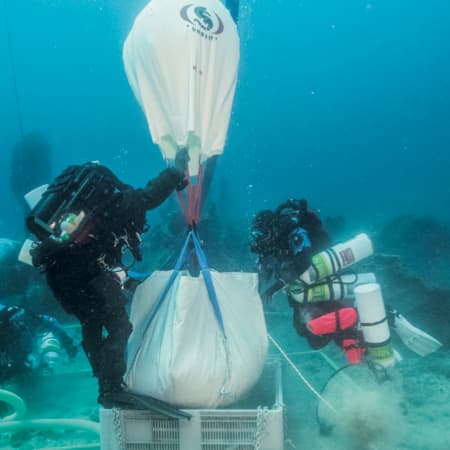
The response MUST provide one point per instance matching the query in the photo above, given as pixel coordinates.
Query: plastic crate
(260, 428)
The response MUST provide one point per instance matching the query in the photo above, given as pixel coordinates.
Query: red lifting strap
(335, 321)
(192, 204)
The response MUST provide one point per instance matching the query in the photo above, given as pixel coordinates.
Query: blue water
(345, 103)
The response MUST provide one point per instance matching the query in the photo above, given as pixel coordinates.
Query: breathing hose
(13, 422)
(16, 403)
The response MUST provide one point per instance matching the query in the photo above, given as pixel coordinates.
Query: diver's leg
(91, 331)
(78, 299)
(115, 320)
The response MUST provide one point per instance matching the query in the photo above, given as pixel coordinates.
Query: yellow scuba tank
(337, 287)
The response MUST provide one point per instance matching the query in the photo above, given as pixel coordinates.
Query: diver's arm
(158, 189)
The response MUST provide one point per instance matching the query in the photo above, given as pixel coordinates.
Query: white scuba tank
(337, 258)
(51, 351)
(374, 324)
(336, 287)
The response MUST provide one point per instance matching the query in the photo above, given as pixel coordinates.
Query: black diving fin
(129, 400)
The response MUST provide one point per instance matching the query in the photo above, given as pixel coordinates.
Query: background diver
(285, 241)
(31, 343)
(98, 218)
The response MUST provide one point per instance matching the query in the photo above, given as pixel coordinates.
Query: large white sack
(181, 59)
(182, 357)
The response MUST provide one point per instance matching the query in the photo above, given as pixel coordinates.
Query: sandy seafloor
(411, 412)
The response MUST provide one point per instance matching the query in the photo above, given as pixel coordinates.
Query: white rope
(301, 376)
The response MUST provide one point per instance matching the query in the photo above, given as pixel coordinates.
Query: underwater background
(345, 103)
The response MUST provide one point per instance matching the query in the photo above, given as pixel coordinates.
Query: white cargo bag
(182, 357)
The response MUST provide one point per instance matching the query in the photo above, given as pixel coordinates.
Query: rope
(13, 68)
(301, 376)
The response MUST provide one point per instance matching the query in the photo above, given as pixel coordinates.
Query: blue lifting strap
(206, 276)
(178, 266)
(208, 282)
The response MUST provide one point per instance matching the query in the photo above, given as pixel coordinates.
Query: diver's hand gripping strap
(206, 276)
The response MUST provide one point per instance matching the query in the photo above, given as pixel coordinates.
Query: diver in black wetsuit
(30, 343)
(81, 269)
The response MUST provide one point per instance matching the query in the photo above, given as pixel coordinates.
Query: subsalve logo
(203, 21)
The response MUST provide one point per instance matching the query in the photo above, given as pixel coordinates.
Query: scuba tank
(374, 325)
(336, 287)
(64, 211)
(70, 224)
(337, 258)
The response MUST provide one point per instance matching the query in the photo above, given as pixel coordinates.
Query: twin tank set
(322, 281)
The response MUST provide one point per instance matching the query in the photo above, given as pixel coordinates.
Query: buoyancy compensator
(79, 190)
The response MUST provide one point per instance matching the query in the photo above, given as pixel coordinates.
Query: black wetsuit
(284, 265)
(81, 278)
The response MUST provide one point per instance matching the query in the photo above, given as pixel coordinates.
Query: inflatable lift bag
(181, 59)
(182, 357)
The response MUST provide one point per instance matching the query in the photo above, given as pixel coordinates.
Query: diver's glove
(181, 165)
(182, 160)
(182, 184)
